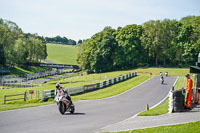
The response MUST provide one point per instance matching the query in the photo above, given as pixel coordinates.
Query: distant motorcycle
(166, 74)
(64, 104)
(162, 80)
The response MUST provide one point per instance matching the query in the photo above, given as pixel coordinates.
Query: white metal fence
(86, 88)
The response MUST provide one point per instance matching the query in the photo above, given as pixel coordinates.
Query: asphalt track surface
(90, 115)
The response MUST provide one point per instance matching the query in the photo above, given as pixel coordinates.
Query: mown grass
(192, 127)
(180, 83)
(20, 71)
(160, 109)
(62, 54)
(24, 104)
(156, 71)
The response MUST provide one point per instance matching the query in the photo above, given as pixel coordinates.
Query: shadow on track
(75, 114)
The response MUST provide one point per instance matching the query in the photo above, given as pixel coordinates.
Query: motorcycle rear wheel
(72, 109)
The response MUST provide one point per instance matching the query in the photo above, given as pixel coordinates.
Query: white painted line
(166, 96)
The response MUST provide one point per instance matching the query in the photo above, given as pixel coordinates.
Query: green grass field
(156, 71)
(62, 54)
(193, 127)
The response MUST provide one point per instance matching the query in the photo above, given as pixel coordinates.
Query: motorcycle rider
(62, 91)
(166, 74)
(162, 79)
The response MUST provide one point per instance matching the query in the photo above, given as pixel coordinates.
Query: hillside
(62, 54)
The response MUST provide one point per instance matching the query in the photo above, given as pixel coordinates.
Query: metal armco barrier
(75, 90)
(46, 94)
(19, 85)
(90, 87)
(86, 88)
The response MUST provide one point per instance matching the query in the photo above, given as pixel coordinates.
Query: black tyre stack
(178, 101)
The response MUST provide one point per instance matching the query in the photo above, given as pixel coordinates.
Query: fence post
(38, 94)
(4, 98)
(25, 96)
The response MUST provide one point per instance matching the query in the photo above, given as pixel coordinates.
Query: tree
(168, 33)
(157, 42)
(60, 40)
(159, 39)
(19, 55)
(150, 40)
(191, 28)
(80, 41)
(3, 28)
(96, 53)
(9, 33)
(129, 48)
(183, 40)
(17, 47)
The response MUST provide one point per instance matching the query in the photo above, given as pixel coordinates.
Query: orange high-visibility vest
(189, 85)
(188, 93)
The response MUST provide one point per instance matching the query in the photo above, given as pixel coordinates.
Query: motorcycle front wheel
(62, 108)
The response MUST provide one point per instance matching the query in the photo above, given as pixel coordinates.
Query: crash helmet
(57, 85)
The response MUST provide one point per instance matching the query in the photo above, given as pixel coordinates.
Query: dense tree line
(155, 43)
(60, 40)
(17, 48)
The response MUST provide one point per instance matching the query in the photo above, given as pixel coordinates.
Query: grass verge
(156, 71)
(159, 110)
(24, 104)
(193, 127)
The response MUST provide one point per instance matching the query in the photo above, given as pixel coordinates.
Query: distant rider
(162, 79)
(62, 91)
(166, 74)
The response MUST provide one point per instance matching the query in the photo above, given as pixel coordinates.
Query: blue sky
(80, 19)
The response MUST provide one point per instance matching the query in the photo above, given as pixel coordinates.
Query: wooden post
(36, 93)
(25, 96)
(4, 98)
